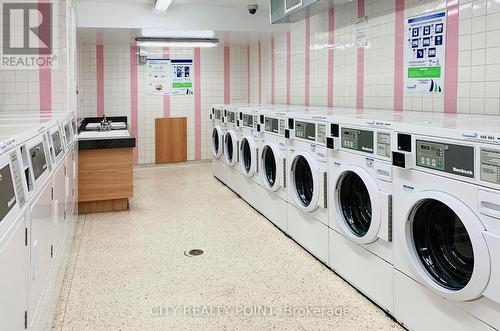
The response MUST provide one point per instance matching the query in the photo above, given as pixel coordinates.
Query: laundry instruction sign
(182, 77)
(169, 76)
(425, 53)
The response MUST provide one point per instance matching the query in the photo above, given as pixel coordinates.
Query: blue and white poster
(182, 77)
(425, 38)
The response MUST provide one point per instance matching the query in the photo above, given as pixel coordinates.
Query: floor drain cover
(194, 252)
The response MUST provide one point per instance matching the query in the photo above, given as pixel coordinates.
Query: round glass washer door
(247, 156)
(446, 246)
(230, 155)
(269, 167)
(304, 182)
(216, 142)
(357, 204)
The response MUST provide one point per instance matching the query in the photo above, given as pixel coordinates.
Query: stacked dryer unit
(218, 134)
(41, 153)
(446, 207)
(307, 182)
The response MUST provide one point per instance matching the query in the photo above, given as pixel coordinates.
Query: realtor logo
(28, 35)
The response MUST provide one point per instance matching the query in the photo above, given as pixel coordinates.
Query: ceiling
(212, 3)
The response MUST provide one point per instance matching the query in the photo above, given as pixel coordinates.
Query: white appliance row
(404, 206)
(38, 194)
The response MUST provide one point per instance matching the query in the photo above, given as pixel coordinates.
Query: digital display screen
(7, 194)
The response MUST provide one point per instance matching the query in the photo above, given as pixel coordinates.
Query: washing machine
(307, 182)
(231, 143)
(14, 251)
(446, 222)
(218, 134)
(271, 177)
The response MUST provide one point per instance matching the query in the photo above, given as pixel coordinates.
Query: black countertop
(108, 142)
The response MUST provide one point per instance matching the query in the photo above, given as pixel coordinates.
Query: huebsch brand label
(453, 159)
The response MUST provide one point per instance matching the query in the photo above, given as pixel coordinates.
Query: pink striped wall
(197, 104)
(248, 74)
(308, 62)
(451, 57)
(45, 82)
(134, 100)
(260, 72)
(331, 53)
(166, 98)
(99, 62)
(273, 71)
(288, 65)
(399, 27)
(360, 72)
(227, 75)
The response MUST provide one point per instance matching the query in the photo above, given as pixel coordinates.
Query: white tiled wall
(20, 88)
(478, 87)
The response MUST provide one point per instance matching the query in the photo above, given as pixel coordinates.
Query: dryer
(446, 200)
(218, 134)
(306, 162)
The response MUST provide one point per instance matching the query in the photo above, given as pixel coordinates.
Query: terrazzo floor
(128, 270)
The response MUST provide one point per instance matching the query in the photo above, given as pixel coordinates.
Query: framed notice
(158, 76)
(425, 48)
(182, 77)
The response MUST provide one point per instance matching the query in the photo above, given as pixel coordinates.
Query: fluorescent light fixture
(162, 5)
(163, 33)
(176, 42)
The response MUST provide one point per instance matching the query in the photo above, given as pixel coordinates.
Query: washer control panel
(453, 159)
(358, 140)
(231, 117)
(271, 124)
(305, 130)
(490, 165)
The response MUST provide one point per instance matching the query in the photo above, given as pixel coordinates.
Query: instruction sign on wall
(425, 53)
(158, 76)
(182, 77)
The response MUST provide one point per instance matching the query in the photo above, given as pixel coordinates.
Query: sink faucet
(105, 124)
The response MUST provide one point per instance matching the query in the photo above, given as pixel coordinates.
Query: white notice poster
(158, 80)
(425, 53)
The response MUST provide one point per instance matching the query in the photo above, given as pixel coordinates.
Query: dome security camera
(252, 8)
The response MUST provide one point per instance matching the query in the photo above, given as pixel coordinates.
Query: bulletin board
(169, 76)
(425, 53)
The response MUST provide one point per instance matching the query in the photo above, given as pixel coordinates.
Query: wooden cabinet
(171, 139)
(105, 179)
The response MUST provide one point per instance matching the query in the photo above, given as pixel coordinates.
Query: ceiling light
(164, 33)
(162, 5)
(176, 42)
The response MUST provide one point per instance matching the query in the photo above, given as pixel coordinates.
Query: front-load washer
(360, 197)
(272, 167)
(306, 162)
(248, 156)
(231, 143)
(218, 166)
(446, 200)
(14, 251)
